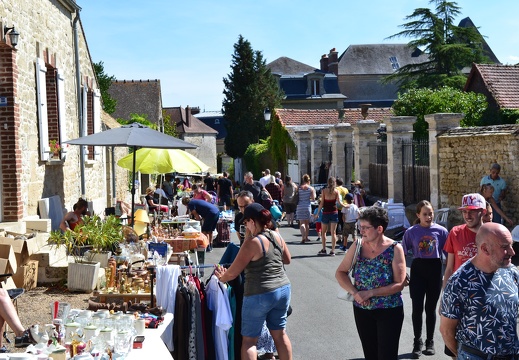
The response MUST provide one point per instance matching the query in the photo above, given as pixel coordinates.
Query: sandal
(322, 252)
(303, 241)
(331, 253)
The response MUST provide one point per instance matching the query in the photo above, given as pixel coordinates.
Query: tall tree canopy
(450, 48)
(105, 81)
(249, 89)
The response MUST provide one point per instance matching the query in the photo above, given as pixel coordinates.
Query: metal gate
(378, 169)
(415, 171)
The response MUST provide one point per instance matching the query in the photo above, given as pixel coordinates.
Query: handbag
(342, 293)
(266, 200)
(295, 198)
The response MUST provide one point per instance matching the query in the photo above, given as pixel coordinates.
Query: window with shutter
(62, 119)
(87, 129)
(41, 94)
(96, 110)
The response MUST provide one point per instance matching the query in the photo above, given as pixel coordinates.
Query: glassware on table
(123, 343)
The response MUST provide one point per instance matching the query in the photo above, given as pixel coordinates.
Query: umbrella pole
(160, 196)
(133, 185)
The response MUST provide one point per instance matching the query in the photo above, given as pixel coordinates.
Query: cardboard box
(7, 253)
(26, 276)
(20, 248)
(6, 283)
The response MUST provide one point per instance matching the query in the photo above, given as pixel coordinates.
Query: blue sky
(187, 45)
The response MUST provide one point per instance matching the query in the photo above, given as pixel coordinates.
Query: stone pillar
(399, 130)
(303, 152)
(319, 151)
(342, 134)
(364, 132)
(438, 123)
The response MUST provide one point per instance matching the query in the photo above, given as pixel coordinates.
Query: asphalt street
(322, 326)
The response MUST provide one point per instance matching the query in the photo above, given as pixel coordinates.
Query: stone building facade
(41, 80)
(466, 155)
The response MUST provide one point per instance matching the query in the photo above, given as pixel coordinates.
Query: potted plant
(96, 236)
(104, 237)
(55, 148)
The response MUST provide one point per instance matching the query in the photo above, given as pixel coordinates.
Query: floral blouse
(374, 273)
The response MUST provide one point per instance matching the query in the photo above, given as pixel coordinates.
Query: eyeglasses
(364, 228)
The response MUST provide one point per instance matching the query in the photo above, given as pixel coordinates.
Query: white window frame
(96, 108)
(43, 120)
(62, 119)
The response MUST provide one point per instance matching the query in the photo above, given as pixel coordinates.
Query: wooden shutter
(85, 117)
(43, 123)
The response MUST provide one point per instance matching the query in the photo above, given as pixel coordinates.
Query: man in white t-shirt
(265, 180)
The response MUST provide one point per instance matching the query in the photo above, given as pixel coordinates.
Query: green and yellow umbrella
(163, 161)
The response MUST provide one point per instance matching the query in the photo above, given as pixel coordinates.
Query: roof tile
(502, 81)
(297, 117)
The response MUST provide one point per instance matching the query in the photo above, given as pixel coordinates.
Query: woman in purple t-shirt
(425, 239)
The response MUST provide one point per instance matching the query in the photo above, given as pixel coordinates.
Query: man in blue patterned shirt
(481, 300)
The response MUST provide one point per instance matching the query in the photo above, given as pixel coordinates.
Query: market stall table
(153, 345)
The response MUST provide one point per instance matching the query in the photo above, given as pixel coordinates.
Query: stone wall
(206, 151)
(49, 36)
(465, 156)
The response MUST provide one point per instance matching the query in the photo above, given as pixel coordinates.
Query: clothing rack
(202, 266)
(153, 276)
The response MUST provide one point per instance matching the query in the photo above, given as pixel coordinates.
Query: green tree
(138, 118)
(420, 102)
(105, 81)
(169, 127)
(450, 48)
(280, 142)
(249, 89)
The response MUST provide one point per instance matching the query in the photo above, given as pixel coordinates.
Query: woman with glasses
(267, 288)
(379, 276)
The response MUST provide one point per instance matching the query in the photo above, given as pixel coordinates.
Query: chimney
(188, 116)
(333, 62)
(324, 63)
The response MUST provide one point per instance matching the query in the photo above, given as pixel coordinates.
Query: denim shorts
(330, 218)
(271, 307)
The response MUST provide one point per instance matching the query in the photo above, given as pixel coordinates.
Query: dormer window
(394, 63)
(316, 89)
(315, 84)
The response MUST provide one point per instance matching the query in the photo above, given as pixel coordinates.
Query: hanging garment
(166, 287)
(218, 302)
